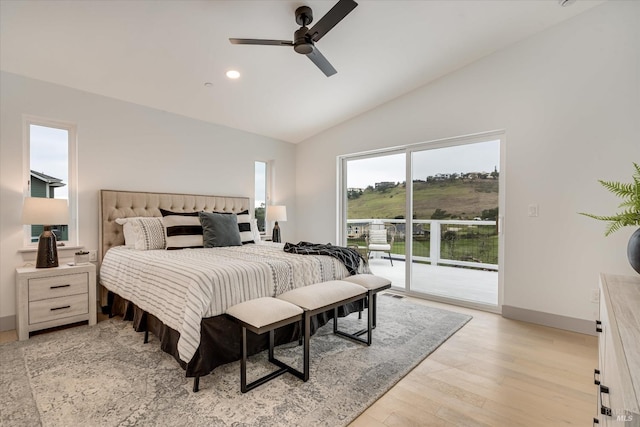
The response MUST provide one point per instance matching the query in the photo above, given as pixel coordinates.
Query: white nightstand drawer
(58, 308)
(50, 297)
(58, 286)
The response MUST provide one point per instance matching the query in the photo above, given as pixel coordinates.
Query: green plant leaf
(630, 205)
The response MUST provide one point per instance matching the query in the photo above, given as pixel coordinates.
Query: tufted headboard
(124, 204)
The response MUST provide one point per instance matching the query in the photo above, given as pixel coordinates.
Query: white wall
(569, 101)
(123, 146)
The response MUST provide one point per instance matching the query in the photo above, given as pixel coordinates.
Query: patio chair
(379, 238)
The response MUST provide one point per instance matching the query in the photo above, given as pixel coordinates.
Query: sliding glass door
(455, 241)
(375, 214)
(439, 236)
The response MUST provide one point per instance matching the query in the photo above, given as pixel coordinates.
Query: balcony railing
(438, 242)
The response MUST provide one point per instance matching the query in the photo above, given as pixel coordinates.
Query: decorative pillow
(183, 229)
(255, 231)
(128, 231)
(219, 230)
(244, 225)
(378, 237)
(143, 233)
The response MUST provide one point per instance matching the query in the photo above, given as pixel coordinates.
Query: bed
(180, 296)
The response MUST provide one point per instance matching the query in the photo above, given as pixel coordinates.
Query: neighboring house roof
(51, 180)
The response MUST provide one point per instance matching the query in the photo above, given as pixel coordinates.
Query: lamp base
(275, 235)
(47, 249)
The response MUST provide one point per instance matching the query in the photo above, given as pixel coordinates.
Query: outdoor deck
(479, 286)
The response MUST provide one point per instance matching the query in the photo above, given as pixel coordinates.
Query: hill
(456, 199)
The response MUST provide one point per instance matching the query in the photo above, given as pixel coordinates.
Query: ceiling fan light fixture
(304, 38)
(233, 74)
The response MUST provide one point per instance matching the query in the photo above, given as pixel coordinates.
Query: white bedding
(182, 287)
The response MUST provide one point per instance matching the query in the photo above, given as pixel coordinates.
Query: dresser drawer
(58, 308)
(58, 286)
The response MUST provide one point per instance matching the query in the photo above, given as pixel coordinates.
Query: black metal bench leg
(196, 384)
(373, 303)
(301, 335)
(307, 336)
(243, 362)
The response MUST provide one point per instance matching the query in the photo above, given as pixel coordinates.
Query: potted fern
(629, 216)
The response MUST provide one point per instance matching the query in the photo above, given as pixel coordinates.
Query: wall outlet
(595, 295)
(93, 255)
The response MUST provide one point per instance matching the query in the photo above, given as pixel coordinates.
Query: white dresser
(618, 373)
(48, 297)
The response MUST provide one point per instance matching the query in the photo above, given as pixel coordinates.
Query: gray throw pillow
(219, 230)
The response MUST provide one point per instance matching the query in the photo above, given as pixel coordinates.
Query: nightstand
(48, 297)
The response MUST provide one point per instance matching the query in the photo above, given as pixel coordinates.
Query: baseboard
(7, 323)
(547, 319)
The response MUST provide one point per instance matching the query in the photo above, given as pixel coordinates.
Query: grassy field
(458, 199)
(462, 199)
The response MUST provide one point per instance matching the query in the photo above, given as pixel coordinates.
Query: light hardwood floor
(493, 372)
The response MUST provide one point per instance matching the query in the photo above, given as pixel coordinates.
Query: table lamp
(276, 213)
(46, 212)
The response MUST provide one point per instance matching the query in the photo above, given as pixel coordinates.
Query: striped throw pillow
(244, 225)
(183, 229)
(143, 233)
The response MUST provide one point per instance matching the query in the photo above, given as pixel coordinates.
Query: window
(260, 198)
(49, 168)
(439, 205)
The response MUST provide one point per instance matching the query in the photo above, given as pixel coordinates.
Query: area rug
(104, 375)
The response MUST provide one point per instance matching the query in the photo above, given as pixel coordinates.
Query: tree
(354, 193)
(490, 214)
(440, 214)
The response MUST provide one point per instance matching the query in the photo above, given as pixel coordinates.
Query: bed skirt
(220, 337)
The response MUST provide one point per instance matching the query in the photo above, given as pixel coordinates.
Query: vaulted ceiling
(162, 53)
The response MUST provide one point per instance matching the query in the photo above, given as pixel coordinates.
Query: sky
(261, 184)
(479, 157)
(49, 152)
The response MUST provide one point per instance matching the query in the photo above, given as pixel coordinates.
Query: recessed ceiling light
(208, 84)
(233, 74)
(565, 3)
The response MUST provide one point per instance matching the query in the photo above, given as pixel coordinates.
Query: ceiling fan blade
(262, 42)
(328, 21)
(321, 62)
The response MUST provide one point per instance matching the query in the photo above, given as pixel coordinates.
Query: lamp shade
(44, 211)
(276, 213)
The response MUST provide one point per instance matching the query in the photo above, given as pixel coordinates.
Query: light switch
(533, 210)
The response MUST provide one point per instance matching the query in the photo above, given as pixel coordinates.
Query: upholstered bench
(321, 297)
(262, 315)
(373, 284)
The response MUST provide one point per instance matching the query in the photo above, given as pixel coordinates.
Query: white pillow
(128, 231)
(378, 237)
(143, 233)
(255, 231)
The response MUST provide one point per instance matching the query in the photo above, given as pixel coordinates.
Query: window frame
(72, 184)
(268, 182)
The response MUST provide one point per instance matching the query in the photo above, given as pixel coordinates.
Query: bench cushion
(322, 294)
(265, 311)
(369, 281)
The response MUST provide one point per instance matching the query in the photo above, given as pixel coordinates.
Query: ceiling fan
(304, 38)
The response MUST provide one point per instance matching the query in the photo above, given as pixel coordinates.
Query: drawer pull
(596, 381)
(59, 286)
(61, 308)
(598, 326)
(604, 410)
